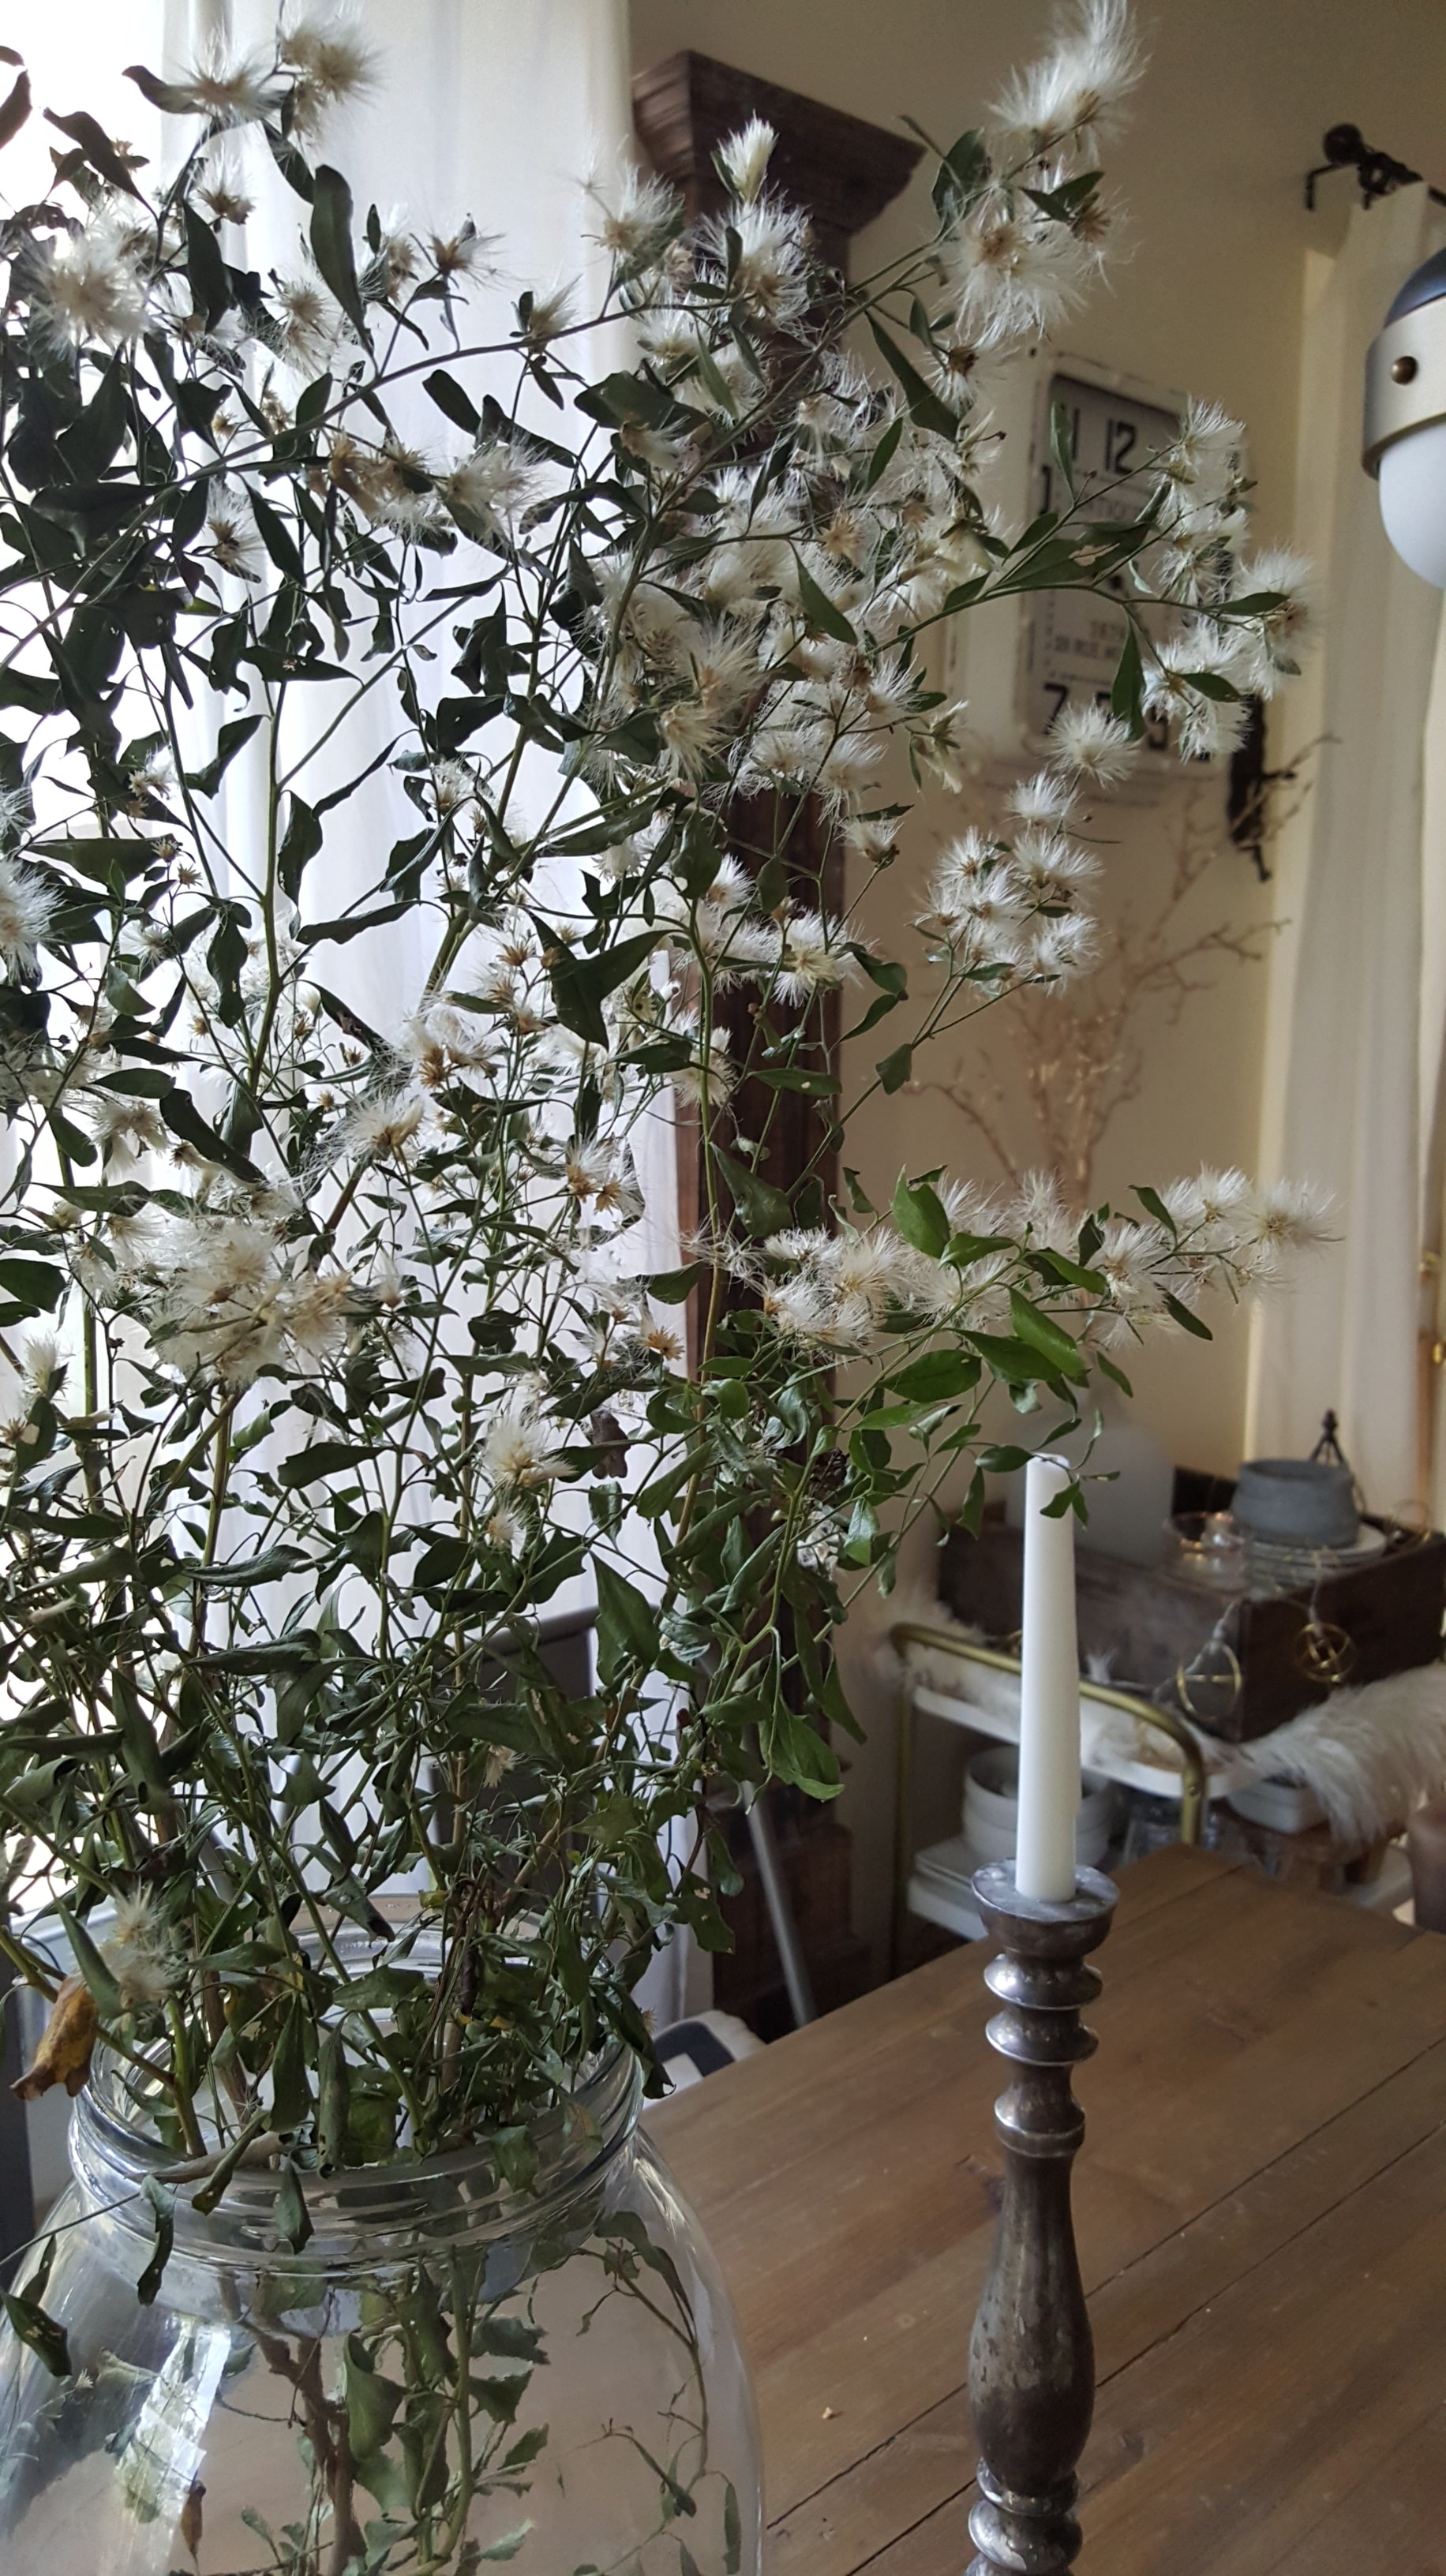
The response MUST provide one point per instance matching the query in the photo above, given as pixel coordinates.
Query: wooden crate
(1149, 1623)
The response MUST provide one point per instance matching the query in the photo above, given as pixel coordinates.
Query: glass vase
(438, 2372)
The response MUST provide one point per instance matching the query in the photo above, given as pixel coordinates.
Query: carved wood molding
(844, 170)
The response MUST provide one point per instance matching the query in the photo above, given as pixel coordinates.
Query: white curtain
(1358, 977)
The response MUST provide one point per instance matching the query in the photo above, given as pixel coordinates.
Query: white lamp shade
(1413, 500)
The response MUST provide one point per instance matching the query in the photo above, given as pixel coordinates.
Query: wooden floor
(1262, 2223)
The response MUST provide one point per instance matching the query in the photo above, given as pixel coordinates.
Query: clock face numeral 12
(1071, 640)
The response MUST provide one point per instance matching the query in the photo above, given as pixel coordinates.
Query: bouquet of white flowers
(332, 1344)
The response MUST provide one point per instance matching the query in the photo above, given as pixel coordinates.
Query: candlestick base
(1031, 2357)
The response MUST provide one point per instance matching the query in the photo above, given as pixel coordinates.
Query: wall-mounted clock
(1069, 640)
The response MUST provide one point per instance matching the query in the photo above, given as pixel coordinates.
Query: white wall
(1207, 299)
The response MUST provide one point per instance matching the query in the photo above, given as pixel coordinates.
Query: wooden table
(1262, 2224)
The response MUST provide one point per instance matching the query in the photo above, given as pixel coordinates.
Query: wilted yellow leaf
(67, 2042)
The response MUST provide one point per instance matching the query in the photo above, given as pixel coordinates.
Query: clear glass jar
(449, 2373)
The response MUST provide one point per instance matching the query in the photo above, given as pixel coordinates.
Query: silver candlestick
(1031, 2357)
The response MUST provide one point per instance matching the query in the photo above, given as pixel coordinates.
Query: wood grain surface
(1261, 2207)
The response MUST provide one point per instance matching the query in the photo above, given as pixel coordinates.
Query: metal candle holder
(1031, 2358)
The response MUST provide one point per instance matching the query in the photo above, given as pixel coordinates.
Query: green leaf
(272, 1563)
(674, 1287)
(1057, 1265)
(819, 609)
(331, 242)
(1043, 1334)
(185, 1120)
(962, 173)
(763, 1209)
(276, 537)
(173, 98)
(894, 1070)
(1017, 1363)
(450, 398)
(925, 407)
(1127, 692)
(1188, 1323)
(31, 2323)
(163, 2206)
(620, 398)
(100, 859)
(732, 2531)
(293, 168)
(35, 1285)
(91, 1967)
(1153, 1205)
(627, 1625)
(371, 2401)
(290, 2087)
(1116, 1376)
(205, 268)
(15, 110)
(290, 2215)
(937, 1377)
(581, 984)
(231, 739)
(919, 1216)
(884, 453)
(891, 979)
(324, 1458)
(1064, 203)
(97, 147)
(302, 840)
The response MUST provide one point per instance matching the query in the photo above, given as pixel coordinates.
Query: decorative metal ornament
(1031, 2357)
(1326, 1652)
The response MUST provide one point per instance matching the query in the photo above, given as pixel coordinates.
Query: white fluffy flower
(333, 63)
(232, 89)
(27, 909)
(770, 273)
(1012, 274)
(492, 485)
(231, 540)
(812, 959)
(549, 314)
(1202, 487)
(305, 324)
(839, 1287)
(126, 1129)
(42, 1365)
(1204, 724)
(385, 1126)
(1077, 92)
(1045, 798)
(1129, 1260)
(637, 211)
(142, 1953)
(745, 156)
(1091, 743)
(1292, 1215)
(1270, 646)
(1064, 948)
(88, 290)
(517, 1450)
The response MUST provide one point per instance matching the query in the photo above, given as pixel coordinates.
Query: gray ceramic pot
(1298, 1502)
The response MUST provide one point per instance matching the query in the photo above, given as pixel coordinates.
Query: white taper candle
(1049, 1748)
